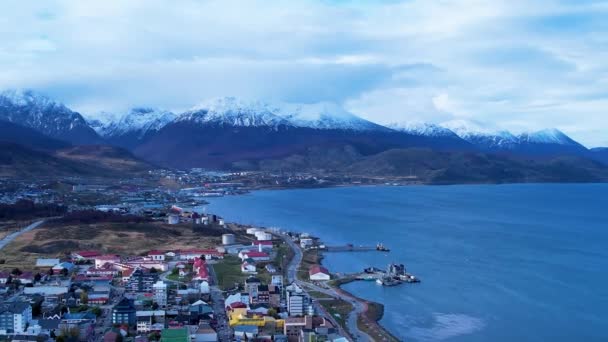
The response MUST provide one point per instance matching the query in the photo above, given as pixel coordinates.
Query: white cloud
(514, 63)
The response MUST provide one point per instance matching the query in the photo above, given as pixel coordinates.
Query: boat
(380, 247)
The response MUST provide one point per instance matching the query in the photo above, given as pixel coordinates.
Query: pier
(352, 248)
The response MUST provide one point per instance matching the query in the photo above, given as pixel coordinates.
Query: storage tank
(263, 236)
(228, 239)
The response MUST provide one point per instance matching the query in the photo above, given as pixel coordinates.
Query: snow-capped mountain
(547, 142)
(421, 129)
(231, 111)
(547, 136)
(36, 111)
(482, 137)
(140, 120)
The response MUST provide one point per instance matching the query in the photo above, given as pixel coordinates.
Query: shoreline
(362, 319)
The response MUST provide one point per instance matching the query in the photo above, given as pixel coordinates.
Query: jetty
(395, 274)
(352, 248)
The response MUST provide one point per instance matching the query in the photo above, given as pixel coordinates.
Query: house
(46, 263)
(204, 287)
(85, 255)
(4, 277)
(200, 270)
(200, 308)
(15, 317)
(318, 273)
(157, 255)
(63, 265)
(25, 278)
(255, 255)
(205, 333)
(106, 259)
(105, 270)
(305, 243)
(266, 245)
(147, 319)
(248, 268)
(124, 312)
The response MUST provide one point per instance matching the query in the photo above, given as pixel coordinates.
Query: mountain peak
(421, 128)
(547, 136)
(34, 110)
(238, 112)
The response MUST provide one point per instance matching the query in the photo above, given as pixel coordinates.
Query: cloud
(515, 64)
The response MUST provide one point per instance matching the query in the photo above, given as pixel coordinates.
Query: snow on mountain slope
(237, 112)
(139, 120)
(234, 112)
(482, 136)
(547, 136)
(30, 109)
(421, 129)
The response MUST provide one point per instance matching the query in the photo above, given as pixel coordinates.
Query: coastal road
(359, 307)
(9, 238)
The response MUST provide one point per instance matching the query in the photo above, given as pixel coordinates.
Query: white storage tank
(263, 236)
(228, 239)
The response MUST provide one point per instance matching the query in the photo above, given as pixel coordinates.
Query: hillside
(13, 133)
(439, 167)
(18, 161)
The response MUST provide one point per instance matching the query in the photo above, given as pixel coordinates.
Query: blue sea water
(497, 262)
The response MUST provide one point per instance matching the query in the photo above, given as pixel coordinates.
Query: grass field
(339, 309)
(228, 272)
(120, 238)
(310, 258)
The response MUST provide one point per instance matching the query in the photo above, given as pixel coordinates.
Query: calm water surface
(498, 263)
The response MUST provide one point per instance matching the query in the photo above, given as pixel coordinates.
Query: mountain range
(228, 133)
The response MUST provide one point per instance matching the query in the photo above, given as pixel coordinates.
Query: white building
(296, 300)
(160, 293)
(15, 317)
(319, 273)
(304, 243)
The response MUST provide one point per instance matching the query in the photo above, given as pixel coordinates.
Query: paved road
(9, 238)
(224, 332)
(292, 275)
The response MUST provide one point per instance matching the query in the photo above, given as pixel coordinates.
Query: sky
(519, 65)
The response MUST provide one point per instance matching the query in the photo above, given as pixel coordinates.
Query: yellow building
(240, 316)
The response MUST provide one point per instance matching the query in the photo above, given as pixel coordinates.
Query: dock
(352, 248)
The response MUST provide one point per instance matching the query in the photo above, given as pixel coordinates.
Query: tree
(154, 306)
(64, 272)
(153, 270)
(51, 272)
(16, 271)
(37, 277)
(84, 298)
(96, 311)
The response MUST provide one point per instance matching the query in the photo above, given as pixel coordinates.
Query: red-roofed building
(157, 255)
(85, 255)
(236, 305)
(106, 259)
(190, 254)
(318, 273)
(264, 244)
(200, 269)
(105, 270)
(255, 255)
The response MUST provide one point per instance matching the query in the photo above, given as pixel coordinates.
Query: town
(202, 279)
